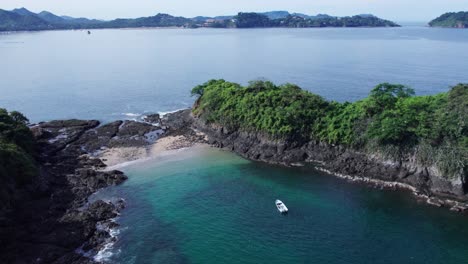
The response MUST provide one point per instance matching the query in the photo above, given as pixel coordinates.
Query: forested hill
(248, 20)
(23, 19)
(454, 20)
(391, 121)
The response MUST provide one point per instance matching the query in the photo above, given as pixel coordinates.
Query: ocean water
(211, 206)
(113, 74)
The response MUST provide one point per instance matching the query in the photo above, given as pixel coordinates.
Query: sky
(397, 10)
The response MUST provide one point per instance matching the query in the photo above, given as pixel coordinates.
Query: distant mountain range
(23, 19)
(452, 19)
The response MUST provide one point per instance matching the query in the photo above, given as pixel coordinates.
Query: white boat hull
(281, 207)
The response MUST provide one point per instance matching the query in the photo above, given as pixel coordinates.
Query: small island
(451, 20)
(21, 19)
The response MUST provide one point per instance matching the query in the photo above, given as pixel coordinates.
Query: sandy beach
(114, 157)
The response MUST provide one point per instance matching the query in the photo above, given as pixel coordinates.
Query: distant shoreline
(206, 28)
(22, 19)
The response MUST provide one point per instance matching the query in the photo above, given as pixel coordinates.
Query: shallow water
(209, 206)
(113, 74)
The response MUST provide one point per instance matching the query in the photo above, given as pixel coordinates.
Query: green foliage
(341, 124)
(17, 148)
(459, 19)
(198, 90)
(283, 111)
(250, 20)
(16, 163)
(391, 121)
(329, 21)
(23, 19)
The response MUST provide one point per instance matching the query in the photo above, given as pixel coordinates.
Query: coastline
(344, 163)
(212, 138)
(79, 157)
(66, 226)
(117, 158)
(188, 28)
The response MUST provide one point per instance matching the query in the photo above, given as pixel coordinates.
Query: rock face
(53, 219)
(336, 159)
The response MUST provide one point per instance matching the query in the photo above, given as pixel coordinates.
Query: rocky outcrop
(53, 221)
(425, 181)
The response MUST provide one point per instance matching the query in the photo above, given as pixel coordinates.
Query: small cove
(204, 205)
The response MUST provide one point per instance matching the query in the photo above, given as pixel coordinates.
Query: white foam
(131, 114)
(170, 112)
(106, 252)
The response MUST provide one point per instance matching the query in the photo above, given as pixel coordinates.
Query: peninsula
(22, 19)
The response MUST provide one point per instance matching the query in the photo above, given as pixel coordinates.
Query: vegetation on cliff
(16, 148)
(453, 19)
(391, 120)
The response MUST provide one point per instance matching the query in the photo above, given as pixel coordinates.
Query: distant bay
(113, 74)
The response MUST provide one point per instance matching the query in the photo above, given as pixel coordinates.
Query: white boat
(281, 206)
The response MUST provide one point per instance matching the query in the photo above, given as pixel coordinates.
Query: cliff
(339, 160)
(391, 138)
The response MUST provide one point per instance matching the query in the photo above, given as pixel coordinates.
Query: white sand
(115, 157)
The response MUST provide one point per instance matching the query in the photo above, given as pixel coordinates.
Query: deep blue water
(111, 73)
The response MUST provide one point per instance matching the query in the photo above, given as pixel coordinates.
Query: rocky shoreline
(426, 183)
(54, 222)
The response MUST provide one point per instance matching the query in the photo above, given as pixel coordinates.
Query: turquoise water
(211, 206)
(113, 74)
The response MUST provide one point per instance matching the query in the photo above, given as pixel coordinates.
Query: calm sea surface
(114, 74)
(210, 206)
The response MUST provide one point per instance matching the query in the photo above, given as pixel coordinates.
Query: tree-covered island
(452, 20)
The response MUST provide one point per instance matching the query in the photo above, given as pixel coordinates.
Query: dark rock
(336, 159)
(49, 223)
(153, 118)
(178, 121)
(101, 210)
(119, 134)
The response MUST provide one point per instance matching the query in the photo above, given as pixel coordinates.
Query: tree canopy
(17, 147)
(390, 118)
(451, 19)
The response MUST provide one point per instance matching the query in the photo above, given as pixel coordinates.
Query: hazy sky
(398, 10)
